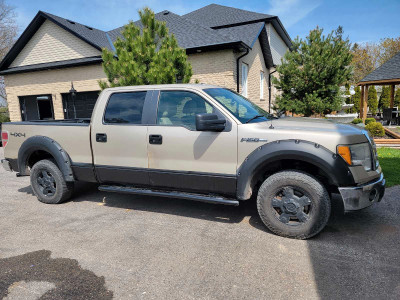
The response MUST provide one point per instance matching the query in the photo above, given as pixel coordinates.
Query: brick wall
(256, 64)
(54, 82)
(216, 67)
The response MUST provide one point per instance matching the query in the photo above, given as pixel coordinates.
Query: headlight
(357, 155)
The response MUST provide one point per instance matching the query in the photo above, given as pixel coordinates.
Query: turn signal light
(344, 152)
(4, 138)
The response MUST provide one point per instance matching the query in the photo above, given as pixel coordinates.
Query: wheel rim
(46, 182)
(292, 206)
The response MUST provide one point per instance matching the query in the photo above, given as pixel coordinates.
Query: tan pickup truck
(205, 143)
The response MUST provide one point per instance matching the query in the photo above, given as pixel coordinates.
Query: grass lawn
(390, 162)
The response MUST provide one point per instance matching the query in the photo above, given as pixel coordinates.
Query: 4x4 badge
(17, 134)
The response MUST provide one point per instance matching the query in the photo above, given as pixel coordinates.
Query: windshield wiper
(253, 118)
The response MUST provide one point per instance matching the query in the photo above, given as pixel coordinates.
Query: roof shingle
(215, 15)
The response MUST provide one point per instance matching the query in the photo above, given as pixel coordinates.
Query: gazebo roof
(388, 73)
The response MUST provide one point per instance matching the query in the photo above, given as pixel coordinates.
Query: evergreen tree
(384, 99)
(356, 98)
(310, 75)
(372, 100)
(397, 98)
(145, 55)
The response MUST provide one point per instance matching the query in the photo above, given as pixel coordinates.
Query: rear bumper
(6, 165)
(359, 197)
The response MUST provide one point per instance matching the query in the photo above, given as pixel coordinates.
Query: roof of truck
(197, 86)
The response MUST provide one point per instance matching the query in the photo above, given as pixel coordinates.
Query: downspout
(237, 69)
(269, 90)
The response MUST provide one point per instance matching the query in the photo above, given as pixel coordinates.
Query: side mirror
(209, 122)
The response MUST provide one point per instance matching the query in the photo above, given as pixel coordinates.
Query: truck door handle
(155, 139)
(101, 137)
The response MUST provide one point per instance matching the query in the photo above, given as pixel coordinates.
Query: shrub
(375, 129)
(357, 121)
(4, 115)
(369, 120)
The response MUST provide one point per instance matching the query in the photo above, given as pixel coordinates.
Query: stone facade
(256, 65)
(54, 82)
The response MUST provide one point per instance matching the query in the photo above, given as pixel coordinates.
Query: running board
(174, 194)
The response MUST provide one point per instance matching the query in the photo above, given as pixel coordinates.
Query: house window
(262, 85)
(245, 71)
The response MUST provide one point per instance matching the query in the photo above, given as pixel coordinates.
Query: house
(226, 46)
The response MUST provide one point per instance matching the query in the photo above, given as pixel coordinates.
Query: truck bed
(73, 136)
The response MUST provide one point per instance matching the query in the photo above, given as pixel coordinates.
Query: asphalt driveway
(104, 246)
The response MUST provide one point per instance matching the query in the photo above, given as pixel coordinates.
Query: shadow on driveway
(69, 279)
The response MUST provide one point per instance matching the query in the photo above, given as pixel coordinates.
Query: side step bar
(173, 194)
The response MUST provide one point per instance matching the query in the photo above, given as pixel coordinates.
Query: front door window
(179, 108)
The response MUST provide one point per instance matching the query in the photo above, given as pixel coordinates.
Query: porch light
(73, 92)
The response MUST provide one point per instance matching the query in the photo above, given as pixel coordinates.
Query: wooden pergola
(387, 74)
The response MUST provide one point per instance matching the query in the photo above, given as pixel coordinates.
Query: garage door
(84, 104)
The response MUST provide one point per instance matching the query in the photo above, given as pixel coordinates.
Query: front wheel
(293, 204)
(48, 183)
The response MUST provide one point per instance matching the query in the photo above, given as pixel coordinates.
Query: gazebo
(387, 74)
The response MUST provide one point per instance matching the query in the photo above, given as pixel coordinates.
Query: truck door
(185, 159)
(119, 138)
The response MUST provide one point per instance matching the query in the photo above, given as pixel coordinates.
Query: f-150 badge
(253, 140)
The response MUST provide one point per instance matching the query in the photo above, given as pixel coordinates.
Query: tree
(397, 98)
(384, 99)
(310, 75)
(8, 33)
(388, 48)
(365, 60)
(145, 55)
(369, 56)
(372, 100)
(356, 98)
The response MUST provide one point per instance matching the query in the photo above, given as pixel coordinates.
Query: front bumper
(359, 197)
(6, 165)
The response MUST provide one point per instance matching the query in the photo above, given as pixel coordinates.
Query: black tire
(48, 183)
(293, 204)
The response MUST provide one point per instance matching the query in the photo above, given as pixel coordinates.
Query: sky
(362, 20)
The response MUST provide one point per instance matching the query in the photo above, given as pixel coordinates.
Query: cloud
(292, 11)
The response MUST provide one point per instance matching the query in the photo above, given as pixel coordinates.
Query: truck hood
(317, 125)
(324, 132)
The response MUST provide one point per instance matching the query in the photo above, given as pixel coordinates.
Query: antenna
(271, 126)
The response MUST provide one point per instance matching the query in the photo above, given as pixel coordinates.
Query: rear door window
(125, 108)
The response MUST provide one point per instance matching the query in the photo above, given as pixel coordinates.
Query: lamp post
(72, 91)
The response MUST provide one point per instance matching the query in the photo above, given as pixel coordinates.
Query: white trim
(245, 72)
(262, 85)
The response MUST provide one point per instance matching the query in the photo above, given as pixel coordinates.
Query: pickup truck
(205, 143)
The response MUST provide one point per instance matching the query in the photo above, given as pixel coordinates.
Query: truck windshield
(243, 109)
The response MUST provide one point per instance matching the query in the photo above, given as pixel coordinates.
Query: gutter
(237, 69)
(269, 90)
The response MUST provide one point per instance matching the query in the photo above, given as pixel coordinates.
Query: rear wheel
(293, 204)
(48, 183)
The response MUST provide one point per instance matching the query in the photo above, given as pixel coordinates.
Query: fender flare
(49, 145)
(330, 163)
